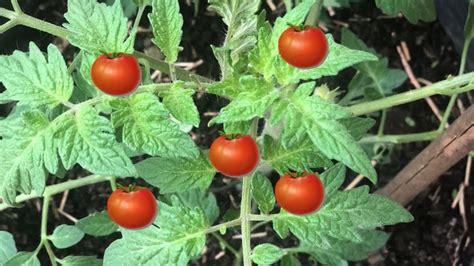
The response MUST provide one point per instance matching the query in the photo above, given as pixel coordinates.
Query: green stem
(59, 188)
(141, 8)
(16, 6)
(449, 87)
(172, 72)
(226, 244)
(447, 112)
(44, 229)
(218, 227)
(383, 118)
(113, 183)
(405, 138)
(244, 215)
(314, 14)
(465, 50)
(258, 225)
(74, 62)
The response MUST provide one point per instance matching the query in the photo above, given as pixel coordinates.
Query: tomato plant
(116, 75)
(268, 97)
(234, 157)
(303, 48)
(299, 194)
(132, 208)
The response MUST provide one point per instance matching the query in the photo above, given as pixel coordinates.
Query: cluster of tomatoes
(232, 155)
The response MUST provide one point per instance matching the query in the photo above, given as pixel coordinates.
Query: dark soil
(436, 237)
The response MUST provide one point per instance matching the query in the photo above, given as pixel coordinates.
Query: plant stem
(465, 50)
(58, 188)
(16, 6)
(314, 14)
(218, 227)
(257, 225)
(447, 112)
(383, 118)
(244, 215)
(172, 72)
(44, 229)
(141, 8)
(405, 138)
(226, 244)
(449, 86)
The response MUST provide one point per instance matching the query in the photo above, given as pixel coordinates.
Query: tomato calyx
(299, 28)
(298, 174)
(111, 56)
(127, 189)
(232, 136)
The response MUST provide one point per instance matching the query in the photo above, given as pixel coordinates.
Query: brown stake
(425, 169)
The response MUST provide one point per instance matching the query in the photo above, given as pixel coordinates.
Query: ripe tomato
(303, 48)
(135, 209)
(234, 157)
(300, 195)
(116, 76)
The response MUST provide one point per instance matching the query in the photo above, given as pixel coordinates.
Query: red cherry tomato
(304, 49)
(116, 76)
(302, 195)
(132, 210)
(234, 157)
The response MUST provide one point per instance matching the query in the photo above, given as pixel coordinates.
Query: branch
(450, 86)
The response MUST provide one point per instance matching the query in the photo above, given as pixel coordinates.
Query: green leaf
(146, 127)
(85, 88)
(7, 246)
(28, 151)
(332, 179)
(81, 261)
(167, 23)
(290, 260)
(202, 199)
(374, 79)
(300, 157)
(413, 10)
(261, 56)
(266, 254)
(88, 139)
(98, 28)
(232, 86)
(262, 192)
(357, 126)
(177, 175)
(65, 236)
(35, 80)
(240, 127)
(181, 105)
(129, 7)
(241, 21)
(281, 227)
(181, 236)
(23, 258)
(248, 104)
(97, 224)
(343, 217)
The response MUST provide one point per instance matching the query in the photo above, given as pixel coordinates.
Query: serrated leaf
(27, 155)
(241, 21)
(181, 236)
(98, 28)
(88, 139)
(262, 192)
(413, 10)
(343, 216)
(281, 227)
(261, 56)
(299, 157)
(201, 199)
(232, 86)
(146, 127)
(332, 179)
(81, 261)
(179, 101)
(35, 80)
(266, 254)
(177, 175)
(65, 236)
(85, 88)
(97, 224)
(129, 7)
(166, 22)
(240, 127)
(357, 126)
(7, 246)
(257, 97)
(317, 118)
(23, 258)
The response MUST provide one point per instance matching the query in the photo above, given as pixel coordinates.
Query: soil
(437, 235)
